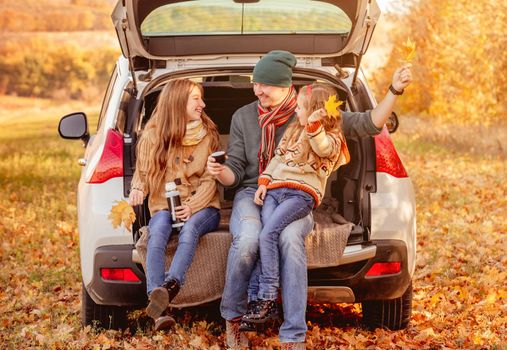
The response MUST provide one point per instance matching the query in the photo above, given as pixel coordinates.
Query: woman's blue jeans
(245, 226)
(160, 229)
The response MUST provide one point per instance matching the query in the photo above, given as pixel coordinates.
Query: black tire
(101, 316)
(393, 314)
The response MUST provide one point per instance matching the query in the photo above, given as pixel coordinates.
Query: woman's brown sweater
(197, 187)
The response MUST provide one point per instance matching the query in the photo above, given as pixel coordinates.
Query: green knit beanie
(275, 69)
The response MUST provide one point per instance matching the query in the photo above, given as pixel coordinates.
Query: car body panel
(94, 201)
(393, 213)
(95, 229)
(366, 288)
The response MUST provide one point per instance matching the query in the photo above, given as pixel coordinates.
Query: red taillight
(119, 275)
(384, 268)
(111, 161)
(387, 157)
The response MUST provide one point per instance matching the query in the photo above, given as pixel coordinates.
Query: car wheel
(101, 316)
(393, 314)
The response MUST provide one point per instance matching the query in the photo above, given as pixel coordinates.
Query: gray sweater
(245, 136)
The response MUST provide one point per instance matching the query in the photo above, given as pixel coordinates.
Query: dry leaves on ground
(459, 284)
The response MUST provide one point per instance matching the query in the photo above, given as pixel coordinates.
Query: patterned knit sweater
(305, 158)
(196, 185)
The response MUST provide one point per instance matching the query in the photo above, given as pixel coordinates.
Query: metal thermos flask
(173, 201)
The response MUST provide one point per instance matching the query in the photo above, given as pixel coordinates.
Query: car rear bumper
(346, 283)
(349, 283)
(109, 292)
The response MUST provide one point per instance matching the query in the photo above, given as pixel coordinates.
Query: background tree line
(55, 15)
(35, 69)
(460, 67)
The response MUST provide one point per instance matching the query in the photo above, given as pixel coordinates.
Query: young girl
(174, 146)
(292, 185)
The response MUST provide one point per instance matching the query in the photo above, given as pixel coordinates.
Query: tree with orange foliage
(459, 69)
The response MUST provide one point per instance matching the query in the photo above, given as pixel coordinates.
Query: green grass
(39, 255)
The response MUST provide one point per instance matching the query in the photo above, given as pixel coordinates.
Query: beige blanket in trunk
(205, 278)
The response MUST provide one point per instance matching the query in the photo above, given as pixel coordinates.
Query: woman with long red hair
(174, 147)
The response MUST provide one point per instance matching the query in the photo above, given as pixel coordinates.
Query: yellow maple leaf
(120, 213)
(332, 106)
(409, 50)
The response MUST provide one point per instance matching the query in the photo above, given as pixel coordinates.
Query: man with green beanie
(255, 131)
(275, 69)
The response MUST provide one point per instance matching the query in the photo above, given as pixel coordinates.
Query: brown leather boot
(234, 339)
(160, 298)
(164, 322)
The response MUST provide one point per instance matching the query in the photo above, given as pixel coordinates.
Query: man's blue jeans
(245, 226)
(160, 229)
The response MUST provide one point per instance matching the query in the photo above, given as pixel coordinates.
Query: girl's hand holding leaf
(317, 115)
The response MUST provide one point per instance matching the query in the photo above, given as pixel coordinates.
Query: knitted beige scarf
(195, 133)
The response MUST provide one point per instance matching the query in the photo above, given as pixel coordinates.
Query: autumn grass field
(460, 179)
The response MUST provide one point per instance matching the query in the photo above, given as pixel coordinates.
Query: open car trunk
(342, 219)
(164, 29)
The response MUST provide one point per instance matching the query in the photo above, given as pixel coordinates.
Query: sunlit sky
(394, 6)
(384, 5)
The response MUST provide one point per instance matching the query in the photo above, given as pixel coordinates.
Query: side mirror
(74, 126)
(392, 123)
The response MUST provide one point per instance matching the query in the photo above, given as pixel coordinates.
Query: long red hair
(169, 122)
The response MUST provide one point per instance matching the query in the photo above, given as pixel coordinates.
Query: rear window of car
(216, 17)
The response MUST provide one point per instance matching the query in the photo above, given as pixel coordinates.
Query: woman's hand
(319, 114)
(260, 194)
(402, 77)
(136, 197)
(183, 212)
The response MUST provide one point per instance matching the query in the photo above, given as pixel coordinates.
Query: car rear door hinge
(124, 27)
(370, 23)
(148, 76)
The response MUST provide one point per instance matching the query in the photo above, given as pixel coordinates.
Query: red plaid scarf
(268, 121)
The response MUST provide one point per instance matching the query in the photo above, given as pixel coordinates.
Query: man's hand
(260, 194)
(402, 77)
(214, 168)
(136, 197)
(183, 212)
(317, 115)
